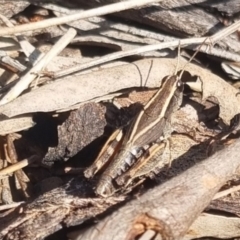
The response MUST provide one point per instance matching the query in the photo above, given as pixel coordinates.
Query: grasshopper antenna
(192, 57)
(178, 57)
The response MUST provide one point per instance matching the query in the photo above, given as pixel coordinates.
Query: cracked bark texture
(170, 209)
(65, 206)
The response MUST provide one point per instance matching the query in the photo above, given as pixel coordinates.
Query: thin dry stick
(111, 8)
(226, 192)
(113, 56)
(10, 206)
(31, 74)
(227, 31)
(121, 54)
(17, 166)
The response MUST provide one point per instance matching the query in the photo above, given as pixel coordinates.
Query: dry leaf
(76, 89)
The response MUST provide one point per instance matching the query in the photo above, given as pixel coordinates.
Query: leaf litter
(104, 99)
(69, 91)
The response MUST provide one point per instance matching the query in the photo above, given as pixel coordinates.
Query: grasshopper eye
(179, 83)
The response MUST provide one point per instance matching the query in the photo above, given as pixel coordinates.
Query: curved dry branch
(170, 208)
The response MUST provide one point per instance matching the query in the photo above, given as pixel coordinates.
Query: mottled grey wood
(68, 205)
(171, 207)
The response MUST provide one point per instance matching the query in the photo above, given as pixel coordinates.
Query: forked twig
(31, 74)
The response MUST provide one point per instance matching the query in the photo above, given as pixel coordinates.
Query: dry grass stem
(17, 166)
(10, 206)
(183, 42)
(226, 192)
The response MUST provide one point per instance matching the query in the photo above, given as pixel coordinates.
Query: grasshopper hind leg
(147, 163)
(165, 161)
(106, 153)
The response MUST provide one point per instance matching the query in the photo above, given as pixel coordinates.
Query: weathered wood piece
(184, 18)
(170, 208)
(64, 206)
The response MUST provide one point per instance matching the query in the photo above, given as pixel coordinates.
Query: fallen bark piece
(172, 207)
(229, 204)
(9, 8)
(162, 16)
(180, 18)
(80, 129)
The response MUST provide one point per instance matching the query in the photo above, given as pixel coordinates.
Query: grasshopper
(135, 150)
(141, 139)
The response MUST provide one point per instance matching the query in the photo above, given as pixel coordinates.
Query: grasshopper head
(90, 172)
(105, 188)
